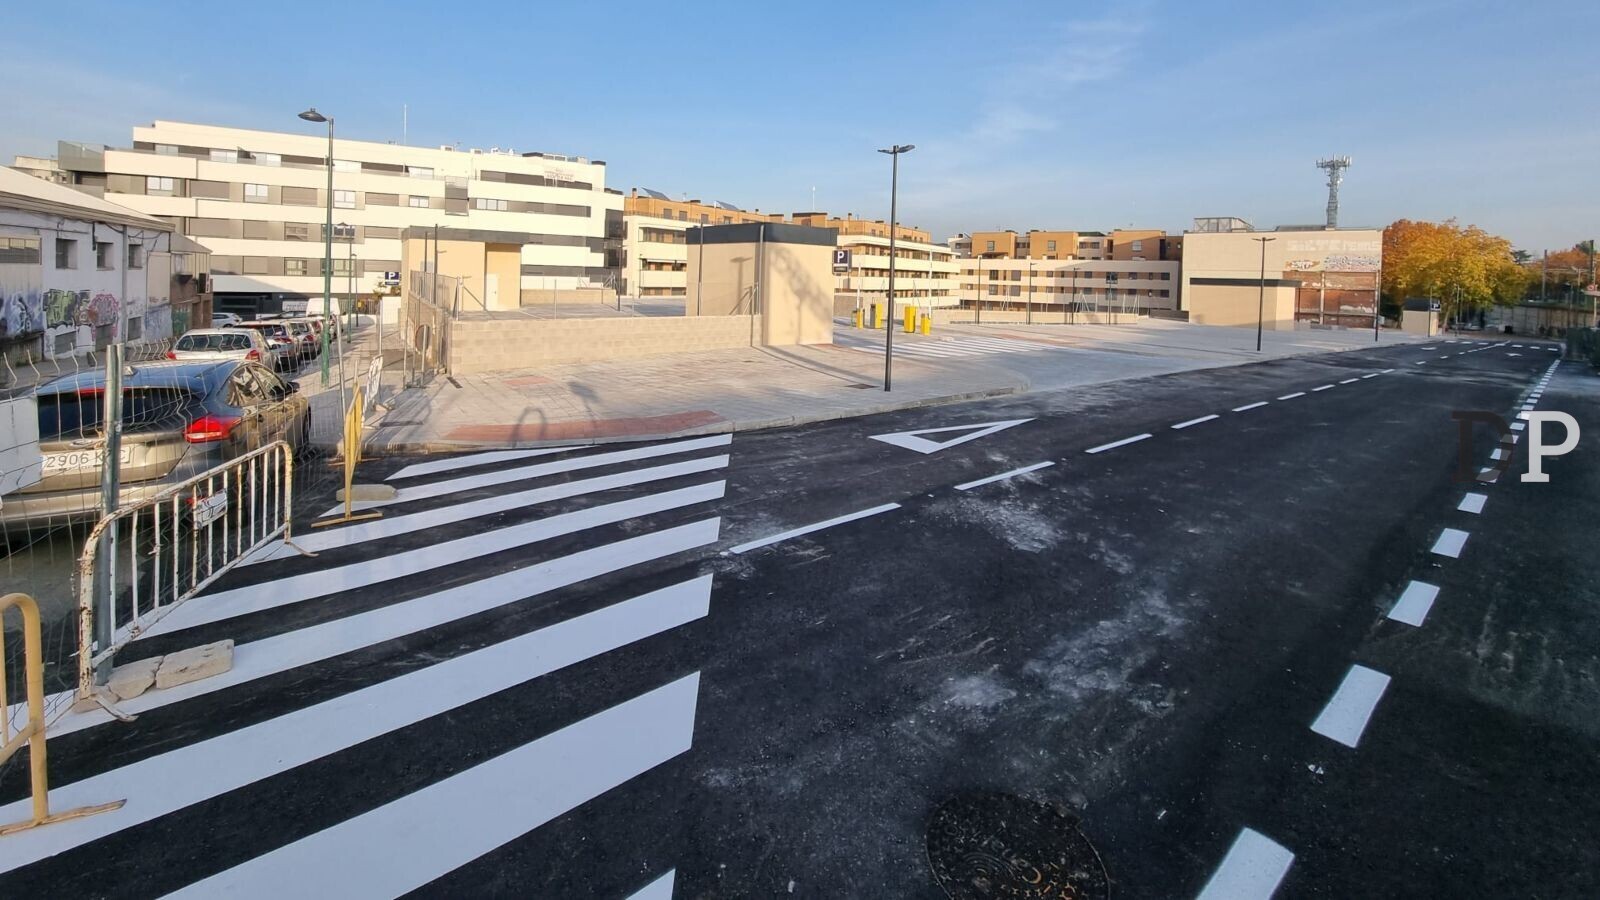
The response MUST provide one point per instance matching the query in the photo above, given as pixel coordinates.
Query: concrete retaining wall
(497, 345)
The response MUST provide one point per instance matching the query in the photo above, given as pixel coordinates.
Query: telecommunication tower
(1335, 166)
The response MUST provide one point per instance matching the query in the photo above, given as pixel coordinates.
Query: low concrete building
(777, 272)
(1307, 275)
(78, 273)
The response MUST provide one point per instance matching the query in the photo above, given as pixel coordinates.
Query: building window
(294, 267)
(225, 156)
(296, 231)
(299, 196)
(1050, 246)
(268, 159)
(344, 199)
(342, 232)
(167, 149)
(989, 246)
(381, 231)
(255, 193)
(727, 220)
(66, 253)
(19, 251)
(341, 267)
(135, 328)
(102, 255)
(705, 219)
(155, 184)
(1138, 246)
(419, 171)
(418, 202)
(135, 256)
(490, 203)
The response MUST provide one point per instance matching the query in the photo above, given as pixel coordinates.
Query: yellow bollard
(927, 323)
(911, 320)
(855, 319)
(877, 316)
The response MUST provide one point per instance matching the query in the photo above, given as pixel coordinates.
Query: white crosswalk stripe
(469, 809)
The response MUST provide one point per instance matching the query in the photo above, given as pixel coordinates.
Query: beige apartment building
(1137, 286)
(1312, 274)
(257, 200)
(655, 256)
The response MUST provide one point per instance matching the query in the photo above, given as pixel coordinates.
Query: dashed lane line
(1182, 425)
(1350, 380)
(1115, 444)
(808, 529)
(1414, 603)
(1293, 395)
(1372, 375)
(1004, 475)
(1252, 869)
(1450, 542)
(1326, 387)
(1250, 406)
(405, 844)
(1352, 705)
(1473, 503)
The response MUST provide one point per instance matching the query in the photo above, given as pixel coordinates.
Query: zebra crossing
(952, 348)
(572, 553)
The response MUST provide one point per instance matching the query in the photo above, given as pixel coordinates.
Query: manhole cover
(984, 846)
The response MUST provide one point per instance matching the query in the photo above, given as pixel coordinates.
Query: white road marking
(1421, 362)
(1004, 475)
(1518, 426)
(1386, 371)
(1488, 476)
(315, 643)
(1182, 425)
(1249, 406)
(171, 781)
(1414, 603)
(317, 541)
(1350, 380)
(1292, 396)
(1498, 454)
(1346, 715)
(520, 473)
(807, 529)
(477, 459)
(660, 889)
(208, 608)
(1473, 503)
(404, 844)
(911, 440)
(1252, 869)
(1115, 444)
(1372, 375)
(1326, 387)
(1450, 542)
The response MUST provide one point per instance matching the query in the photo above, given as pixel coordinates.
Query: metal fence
(143, 560)
(431, 301)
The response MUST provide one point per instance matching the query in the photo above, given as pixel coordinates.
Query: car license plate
(74, 461)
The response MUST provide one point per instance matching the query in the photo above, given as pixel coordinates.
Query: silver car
(178, 420)
(222, 343)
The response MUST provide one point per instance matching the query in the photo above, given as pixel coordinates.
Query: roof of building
(19, 190)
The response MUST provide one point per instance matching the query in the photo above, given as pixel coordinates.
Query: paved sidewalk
(764, 387)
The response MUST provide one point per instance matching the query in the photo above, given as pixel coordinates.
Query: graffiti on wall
(79, 308)
(1350, 263)
(21, 313)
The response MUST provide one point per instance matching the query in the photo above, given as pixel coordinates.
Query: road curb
(415, 448)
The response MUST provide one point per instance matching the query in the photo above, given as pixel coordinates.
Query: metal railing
(177, 543)
(32, 733)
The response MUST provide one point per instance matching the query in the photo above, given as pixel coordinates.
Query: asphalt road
(607, 672)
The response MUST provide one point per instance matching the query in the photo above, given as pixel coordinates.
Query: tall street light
(894, 189)
(1261, 292)
(311, 115)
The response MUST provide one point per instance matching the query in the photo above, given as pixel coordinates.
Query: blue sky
(1024, 115)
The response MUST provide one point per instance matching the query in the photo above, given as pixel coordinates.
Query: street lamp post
(311, 115)
(1261, 290)
(894, 193)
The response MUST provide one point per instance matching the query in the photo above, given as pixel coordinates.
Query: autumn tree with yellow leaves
(1463, 268)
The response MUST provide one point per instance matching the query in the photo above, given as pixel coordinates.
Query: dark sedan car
(178, 420)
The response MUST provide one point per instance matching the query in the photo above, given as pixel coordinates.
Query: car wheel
(302, 441)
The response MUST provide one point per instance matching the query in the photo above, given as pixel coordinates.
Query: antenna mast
(1335, 166)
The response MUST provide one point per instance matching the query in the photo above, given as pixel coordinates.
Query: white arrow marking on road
(1254, 866)
(910, 441)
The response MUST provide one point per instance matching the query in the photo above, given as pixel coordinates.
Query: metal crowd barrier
(178, 542)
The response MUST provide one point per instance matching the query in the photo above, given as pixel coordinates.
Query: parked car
(222, 343)
(179, 419)
(305, 337)
(225, 320)
(285, 350)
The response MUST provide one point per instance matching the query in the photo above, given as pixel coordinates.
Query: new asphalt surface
(754, 666)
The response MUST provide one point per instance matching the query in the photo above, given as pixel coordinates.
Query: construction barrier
(355, 419)
(32, 734)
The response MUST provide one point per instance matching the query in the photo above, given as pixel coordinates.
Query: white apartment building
(1131, 285)
(924, 272)
(257, 200)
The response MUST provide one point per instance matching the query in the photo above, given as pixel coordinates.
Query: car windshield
(214, 342)
(81, 413)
